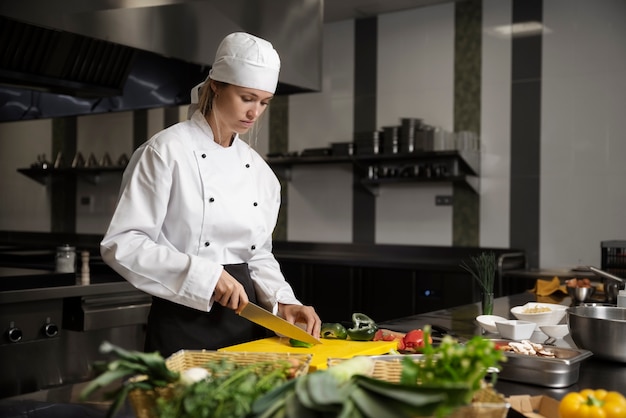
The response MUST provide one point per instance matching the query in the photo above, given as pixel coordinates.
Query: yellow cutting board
(329, 348)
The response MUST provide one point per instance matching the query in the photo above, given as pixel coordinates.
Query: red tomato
(415, 339)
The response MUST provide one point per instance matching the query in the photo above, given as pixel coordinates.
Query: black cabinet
(384, 281)
(387, 293)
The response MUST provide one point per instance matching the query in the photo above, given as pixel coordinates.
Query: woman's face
(237, 108)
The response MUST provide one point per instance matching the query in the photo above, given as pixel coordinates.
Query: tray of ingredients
(532, 363)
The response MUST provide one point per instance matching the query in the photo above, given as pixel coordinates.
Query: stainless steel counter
(99, 286)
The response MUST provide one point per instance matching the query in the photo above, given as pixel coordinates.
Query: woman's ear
(213, 86)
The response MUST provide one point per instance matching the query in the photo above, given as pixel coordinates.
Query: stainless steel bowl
(581, 294)
(599, 329)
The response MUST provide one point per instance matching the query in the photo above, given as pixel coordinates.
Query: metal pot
(599, 329)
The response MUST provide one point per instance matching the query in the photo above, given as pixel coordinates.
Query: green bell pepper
(363, 328)
(297, 343)
(334, 331)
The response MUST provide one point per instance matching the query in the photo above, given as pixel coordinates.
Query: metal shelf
(460, 167)
(91, 174)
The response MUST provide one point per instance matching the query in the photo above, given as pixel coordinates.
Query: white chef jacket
(188, 206)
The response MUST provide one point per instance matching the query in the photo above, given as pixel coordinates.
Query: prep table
(594, 373)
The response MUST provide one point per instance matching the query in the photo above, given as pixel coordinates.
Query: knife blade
(275, 323)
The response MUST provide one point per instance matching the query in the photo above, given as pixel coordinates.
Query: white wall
(583, 147)
(495, 126)
(116, 139)
(415, 80)
(320, 197)
(25, 203)
(583, 144)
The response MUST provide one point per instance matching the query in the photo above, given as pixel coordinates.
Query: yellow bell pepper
(590, 403)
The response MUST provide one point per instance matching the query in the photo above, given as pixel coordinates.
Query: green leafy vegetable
(346, 391)
(452, 363)
(228, 393)
(128, 364)
(444, 381)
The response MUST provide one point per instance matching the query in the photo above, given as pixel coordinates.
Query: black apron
(172, 327)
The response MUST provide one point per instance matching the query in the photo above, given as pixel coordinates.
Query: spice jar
(66, 259)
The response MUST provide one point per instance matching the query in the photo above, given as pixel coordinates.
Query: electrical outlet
(443, 200)
(88, 202)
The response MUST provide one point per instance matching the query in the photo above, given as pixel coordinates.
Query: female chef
(197, 207)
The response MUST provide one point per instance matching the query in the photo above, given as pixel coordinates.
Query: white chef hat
(243, 60)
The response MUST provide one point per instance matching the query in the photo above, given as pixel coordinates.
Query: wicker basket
(144, 402)
(486, 402)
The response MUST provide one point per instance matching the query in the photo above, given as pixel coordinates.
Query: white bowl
(514, 329)
(488, 322)
(540, 313)
(555, 331)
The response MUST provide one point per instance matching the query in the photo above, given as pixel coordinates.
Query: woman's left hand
(302, 314)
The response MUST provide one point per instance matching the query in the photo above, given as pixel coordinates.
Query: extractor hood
(73, 57)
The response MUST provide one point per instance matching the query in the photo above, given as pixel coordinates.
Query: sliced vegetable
(593, 403)
(297, 343)
(387, 335)
(414, 340)
(363, 328)
(334, 331)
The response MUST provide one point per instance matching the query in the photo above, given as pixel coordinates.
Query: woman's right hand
(230, 293)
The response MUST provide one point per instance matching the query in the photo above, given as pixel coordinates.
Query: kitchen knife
(272, 322)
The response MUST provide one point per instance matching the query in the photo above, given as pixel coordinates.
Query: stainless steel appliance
(51, 335)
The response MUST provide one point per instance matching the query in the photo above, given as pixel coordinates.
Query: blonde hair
(206, 107)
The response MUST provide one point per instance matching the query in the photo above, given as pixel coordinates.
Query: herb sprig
(483, 270)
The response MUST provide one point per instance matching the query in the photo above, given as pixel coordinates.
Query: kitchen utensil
(488, 322)
(540, 313)
(272, 322)
(600, 329)
(581, 294)
(321, 352)
(612, 286)
(555, 331)
(553, 372)
(514, 329)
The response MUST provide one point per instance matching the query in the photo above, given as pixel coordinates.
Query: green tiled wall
(467, 69)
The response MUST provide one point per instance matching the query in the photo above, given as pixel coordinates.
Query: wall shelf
(458, 167)
(90, 174)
